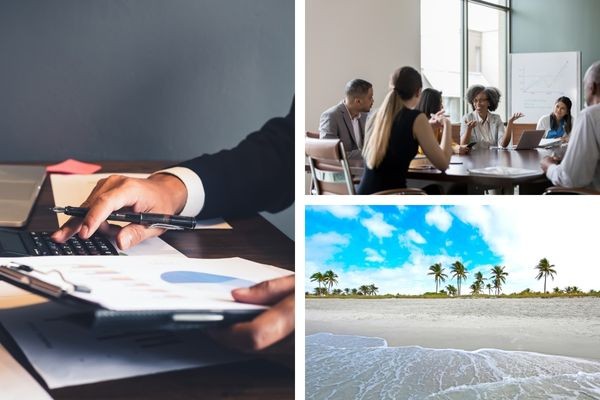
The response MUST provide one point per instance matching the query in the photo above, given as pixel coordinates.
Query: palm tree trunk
(545, 276)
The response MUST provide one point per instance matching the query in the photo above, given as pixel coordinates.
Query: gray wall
(140, 79)
(557, 25)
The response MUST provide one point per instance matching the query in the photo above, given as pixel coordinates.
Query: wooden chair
(456, 133)
(563, 190)
(327, 158)
(402, 191)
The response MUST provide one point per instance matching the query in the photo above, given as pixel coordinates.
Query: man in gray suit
(346, 120)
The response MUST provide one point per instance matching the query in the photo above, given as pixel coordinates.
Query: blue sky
(393, 246)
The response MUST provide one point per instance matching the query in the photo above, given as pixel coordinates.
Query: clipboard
(91, 314)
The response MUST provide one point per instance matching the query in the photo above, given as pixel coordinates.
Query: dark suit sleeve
(256, 175)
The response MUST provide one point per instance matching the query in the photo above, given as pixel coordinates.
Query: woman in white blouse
(482, 126)
(560, 122)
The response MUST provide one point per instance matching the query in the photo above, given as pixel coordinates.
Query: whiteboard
(538, 79)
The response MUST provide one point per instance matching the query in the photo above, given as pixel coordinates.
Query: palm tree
(354, 291)
(476, 287)
(451, 290)
(317, 276)
(330, 278)
(460, 272)
(347, 291)
(479, 278)
(438, 274)
(373, 289)
(364, 289)
(544, 269)
(498, 277)
(489, 288)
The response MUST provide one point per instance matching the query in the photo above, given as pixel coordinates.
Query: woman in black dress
(395, 133)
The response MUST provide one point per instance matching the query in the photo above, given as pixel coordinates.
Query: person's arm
(506, 136)
(578, 167)
(328, 127)
(438, 154)
(257, 175)
(466, 130)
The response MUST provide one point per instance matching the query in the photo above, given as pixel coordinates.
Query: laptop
(19, 189)
(529, 140)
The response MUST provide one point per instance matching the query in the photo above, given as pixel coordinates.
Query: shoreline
(545, 328)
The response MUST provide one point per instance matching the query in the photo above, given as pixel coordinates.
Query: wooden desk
(458, 172)
(253, 238)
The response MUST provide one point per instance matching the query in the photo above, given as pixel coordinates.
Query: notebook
(19, 189)
(529, 140)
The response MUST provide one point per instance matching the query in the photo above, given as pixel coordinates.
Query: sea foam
(356, 367)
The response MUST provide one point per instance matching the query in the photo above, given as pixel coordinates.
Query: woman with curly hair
(482, 126)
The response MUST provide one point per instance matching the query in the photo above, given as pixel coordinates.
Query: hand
(547, 161)
(471, 124)
(160, 193)
(461, 149)
(516, 116)
(268, 330)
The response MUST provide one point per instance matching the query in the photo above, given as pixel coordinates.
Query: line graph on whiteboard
(538, 79)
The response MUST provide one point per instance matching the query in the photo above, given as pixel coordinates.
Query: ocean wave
(357, 367)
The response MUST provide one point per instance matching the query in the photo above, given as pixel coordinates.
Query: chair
(312, 135)
(326, 158)
(402, 191)
(563, 190)
(456, 133)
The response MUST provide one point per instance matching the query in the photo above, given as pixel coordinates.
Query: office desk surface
(253, 238)
(458, 171)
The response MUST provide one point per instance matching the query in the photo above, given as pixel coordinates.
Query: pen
(163, 221)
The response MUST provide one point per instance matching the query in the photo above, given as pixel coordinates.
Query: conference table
(252, 238)
(461, 171)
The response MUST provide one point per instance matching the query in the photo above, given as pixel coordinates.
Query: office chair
(327, 159)
(402, 191)
(563, 190)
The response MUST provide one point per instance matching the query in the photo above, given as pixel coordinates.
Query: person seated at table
(558, 124)
(431, 103)
(580, 166)
(395, 133)
(482, 126)
(210, 186)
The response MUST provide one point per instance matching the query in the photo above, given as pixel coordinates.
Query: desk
(481, 158)
(253, 238)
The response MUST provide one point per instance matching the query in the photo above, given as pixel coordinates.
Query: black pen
(163, 221)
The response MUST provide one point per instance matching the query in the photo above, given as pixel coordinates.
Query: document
(67, 354)
(148, 283)
(72, 190)
(15, 381)
(510, 172)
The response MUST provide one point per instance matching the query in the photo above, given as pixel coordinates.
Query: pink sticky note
(71, 166)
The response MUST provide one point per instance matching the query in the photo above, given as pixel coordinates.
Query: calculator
(16, 243)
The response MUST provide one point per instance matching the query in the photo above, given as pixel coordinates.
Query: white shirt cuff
(195, 189)
(552, 174)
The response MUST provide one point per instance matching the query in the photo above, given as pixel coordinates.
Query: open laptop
(529, 140)
(19, 188)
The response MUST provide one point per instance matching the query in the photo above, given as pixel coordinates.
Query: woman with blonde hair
(395, 133)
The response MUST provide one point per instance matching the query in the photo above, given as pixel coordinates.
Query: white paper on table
(155, 283)
(15, 381)
(66, 354)
(72, 190)
(511, 172)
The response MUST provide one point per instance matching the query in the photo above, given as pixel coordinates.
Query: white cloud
(373, 256)
(448, 243)
(345, 212)
(439, 218)
(415, 236)
(377, 226)
(322, 246)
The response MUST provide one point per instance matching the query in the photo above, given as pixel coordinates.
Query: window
(464, 42)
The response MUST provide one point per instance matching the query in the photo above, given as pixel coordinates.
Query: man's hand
(269, 328)
(546, 162)
(159, 193)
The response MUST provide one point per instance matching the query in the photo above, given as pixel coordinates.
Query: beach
(556, 326)
(453, 348)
